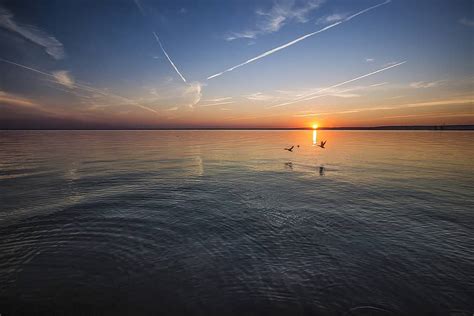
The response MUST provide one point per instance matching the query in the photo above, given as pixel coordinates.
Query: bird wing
(324, 143)
(292, 147)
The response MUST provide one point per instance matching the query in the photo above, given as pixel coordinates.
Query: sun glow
(315, 126)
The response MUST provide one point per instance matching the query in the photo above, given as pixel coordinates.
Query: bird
(322, 144)
(290, 149)
(321, 171)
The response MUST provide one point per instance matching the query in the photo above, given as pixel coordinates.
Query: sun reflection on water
(315, 136)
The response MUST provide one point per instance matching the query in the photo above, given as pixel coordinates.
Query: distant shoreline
(349, 128)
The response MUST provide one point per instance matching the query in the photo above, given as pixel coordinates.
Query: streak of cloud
(52, 46)
(299, 39)
(168, 57)
(16, 100)
(218, 103)
(81, 86)
(218, 99)
(426, 84)
(447, 102)
(311, 96)
(140, 7)
(378, 84)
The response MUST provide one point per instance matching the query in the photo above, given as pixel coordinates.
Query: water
(227, 222)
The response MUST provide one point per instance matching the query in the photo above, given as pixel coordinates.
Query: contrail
(310, 96)
(169, 59)
(81, 86)
(139, 6)
(299, 39)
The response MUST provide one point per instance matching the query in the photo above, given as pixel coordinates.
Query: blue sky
(98, 63)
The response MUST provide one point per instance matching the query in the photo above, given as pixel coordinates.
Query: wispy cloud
(218, 103)
(332, 18)
(426, 84)
(140, 7)
(291, 95)
(429, 115)
(63, 77)
(299, 39)
(378, 84)
(259, 96)
(218, 99)
(168, 57)
(446, 102)
(82, 87)
(193, 91)
(174, 108)
(467, 22)
(272, 20)
(16, 100)
(369, 60)
(314, 95)
(52, 46)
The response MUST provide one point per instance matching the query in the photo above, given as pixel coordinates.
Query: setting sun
(315, 126)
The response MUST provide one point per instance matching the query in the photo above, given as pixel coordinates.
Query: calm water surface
(227, 222)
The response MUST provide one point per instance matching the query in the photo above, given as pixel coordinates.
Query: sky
(235, 63)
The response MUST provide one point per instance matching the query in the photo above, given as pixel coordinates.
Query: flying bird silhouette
(290, 149)
(323, 143)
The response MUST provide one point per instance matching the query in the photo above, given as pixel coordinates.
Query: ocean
(230, 223)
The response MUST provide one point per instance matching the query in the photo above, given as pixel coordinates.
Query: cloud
(281, 13)
(193, 92)
(174, 108)
(168, 57)
(426, 84)
(218, 99)
(140, 7)
(314, 95)
(218, 103)
(259, 96)
(447, 102)
(13, 99)
(33, 34)
(467, 22)
(429, 115)
(63, 77)
(378, 84)
(290, 95)
(83, 87)
(328, 19)
(299, 39)
(369, 60)
(153, 91)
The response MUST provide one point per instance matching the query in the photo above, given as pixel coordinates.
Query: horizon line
(467, 127)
